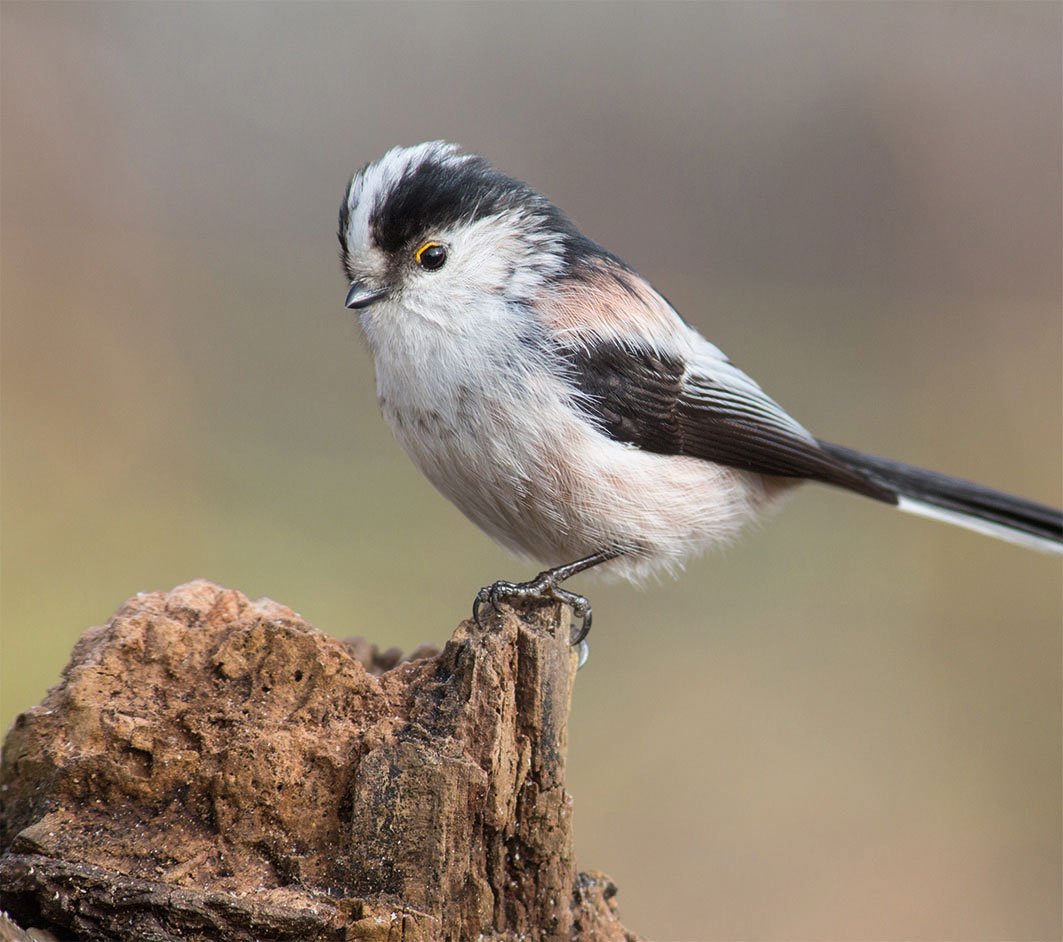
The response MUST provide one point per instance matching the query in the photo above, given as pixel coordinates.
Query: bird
(552, 394)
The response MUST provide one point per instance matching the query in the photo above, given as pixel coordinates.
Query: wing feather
(661, 404)
(646, 378)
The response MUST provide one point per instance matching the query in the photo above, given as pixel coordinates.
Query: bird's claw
(583, 652)
(489, 595)
(541, 587)
(581, 608)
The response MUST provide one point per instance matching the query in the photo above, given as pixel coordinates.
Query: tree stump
(215, 768)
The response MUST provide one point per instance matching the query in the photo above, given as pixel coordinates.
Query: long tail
(960, 502)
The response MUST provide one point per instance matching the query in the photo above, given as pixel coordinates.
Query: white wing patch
(713, 381)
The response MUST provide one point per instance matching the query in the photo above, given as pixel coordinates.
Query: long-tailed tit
(564, 406)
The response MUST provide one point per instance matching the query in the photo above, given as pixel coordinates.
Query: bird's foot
(543, 586)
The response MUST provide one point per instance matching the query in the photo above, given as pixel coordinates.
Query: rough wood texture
(215, 768)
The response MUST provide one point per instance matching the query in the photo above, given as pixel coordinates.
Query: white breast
(505, 444)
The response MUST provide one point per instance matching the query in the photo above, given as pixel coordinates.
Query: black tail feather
(956, 495)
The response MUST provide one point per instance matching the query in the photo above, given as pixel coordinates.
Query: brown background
(846, 727)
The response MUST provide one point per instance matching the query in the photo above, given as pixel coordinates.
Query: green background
(846, 727)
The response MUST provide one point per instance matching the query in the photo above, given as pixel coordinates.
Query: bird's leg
(546, 585)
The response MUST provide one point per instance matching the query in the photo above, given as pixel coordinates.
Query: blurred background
(847, 727)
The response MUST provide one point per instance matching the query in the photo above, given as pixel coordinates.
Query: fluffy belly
(561, 490)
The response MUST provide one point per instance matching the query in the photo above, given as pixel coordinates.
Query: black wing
(662, 405)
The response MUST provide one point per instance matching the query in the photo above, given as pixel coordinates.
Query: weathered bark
(215, 768)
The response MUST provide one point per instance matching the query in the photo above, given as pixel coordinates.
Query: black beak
(360, 296)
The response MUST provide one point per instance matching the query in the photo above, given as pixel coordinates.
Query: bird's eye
(431, 256)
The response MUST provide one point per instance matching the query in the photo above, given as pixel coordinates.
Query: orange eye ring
(431, 256)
